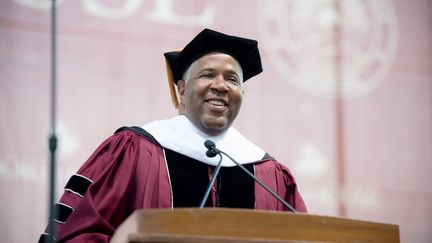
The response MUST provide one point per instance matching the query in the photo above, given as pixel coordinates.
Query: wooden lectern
(241, 225)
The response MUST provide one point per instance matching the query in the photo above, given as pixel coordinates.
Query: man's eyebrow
(231, 72)
(207, 69)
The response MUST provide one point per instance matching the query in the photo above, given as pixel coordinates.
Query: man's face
(212, 95)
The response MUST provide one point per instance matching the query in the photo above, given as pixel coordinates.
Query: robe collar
(180, 135)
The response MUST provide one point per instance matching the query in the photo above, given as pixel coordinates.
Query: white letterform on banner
(98, 9)
(164, 13)
(38, 4)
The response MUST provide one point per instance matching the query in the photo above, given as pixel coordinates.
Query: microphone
(211, 152)
(210, 145)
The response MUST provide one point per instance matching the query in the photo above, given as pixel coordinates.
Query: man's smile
(217, 104)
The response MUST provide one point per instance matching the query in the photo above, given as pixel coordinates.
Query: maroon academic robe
(129, 172)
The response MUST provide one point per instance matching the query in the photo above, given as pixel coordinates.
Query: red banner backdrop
(345, 99)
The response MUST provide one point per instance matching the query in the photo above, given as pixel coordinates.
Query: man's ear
(181, 87)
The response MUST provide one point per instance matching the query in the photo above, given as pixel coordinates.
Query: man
(164, 163)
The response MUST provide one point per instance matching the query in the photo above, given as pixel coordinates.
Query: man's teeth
(216, 102)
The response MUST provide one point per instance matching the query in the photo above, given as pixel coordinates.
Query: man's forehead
(206, 61)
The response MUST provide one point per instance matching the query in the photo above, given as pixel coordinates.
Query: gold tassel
(173, 92)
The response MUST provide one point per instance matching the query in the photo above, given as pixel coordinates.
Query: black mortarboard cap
(245, 51)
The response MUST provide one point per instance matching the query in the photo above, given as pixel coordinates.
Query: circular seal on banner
(320, 47)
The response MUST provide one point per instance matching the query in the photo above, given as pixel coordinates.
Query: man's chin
(215, 126)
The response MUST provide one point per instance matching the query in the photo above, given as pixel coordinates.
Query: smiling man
(211, 93)
(163, 164)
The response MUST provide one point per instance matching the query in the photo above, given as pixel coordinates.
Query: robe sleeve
(106, 190)
(279, 178)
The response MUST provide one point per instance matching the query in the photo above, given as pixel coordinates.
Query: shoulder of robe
(114, 150)
(139, 131)
(271, 164)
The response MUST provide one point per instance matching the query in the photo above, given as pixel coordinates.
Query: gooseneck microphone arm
(211, 146)
(211, 152)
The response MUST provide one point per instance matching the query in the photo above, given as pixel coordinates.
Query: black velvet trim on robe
(190, 178)
(78, 184)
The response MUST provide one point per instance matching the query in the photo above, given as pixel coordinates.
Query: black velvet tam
(245, 51)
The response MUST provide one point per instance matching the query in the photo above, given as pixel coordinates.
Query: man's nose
(219, 84)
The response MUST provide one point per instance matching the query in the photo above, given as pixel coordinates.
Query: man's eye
(206, 75)
(233, 80)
